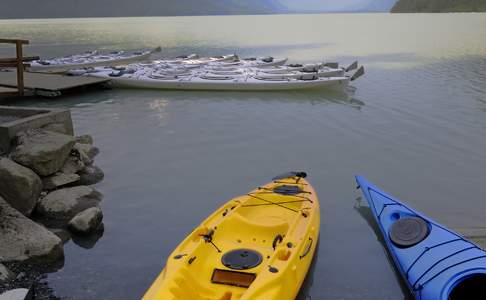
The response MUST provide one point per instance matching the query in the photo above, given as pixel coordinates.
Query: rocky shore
(46, 198)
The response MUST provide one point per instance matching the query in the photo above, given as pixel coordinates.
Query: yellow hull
(283, 229)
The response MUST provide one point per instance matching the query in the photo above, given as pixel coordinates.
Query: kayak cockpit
(472, 286)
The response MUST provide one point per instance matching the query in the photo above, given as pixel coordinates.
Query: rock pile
(46, 177)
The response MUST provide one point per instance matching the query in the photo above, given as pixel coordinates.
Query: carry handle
(307, 249)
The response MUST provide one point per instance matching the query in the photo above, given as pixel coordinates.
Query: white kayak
(228, 61)
(323, 72)
(89, 59)
(123, 79)
(195, 60)
(258, 62)
(320, 69)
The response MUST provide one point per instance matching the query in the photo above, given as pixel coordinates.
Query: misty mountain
(121, 8)
(379, 5)
(317, 6)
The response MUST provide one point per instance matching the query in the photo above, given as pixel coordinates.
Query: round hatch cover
(287, 190)
(409, 231)
(241, 259)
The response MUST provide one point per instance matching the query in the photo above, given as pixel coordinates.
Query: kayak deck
(282, 229)
(436, 264)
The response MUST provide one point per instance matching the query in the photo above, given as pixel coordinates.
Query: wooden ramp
(48, 84)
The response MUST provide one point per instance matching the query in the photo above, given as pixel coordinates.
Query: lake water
(416, 126)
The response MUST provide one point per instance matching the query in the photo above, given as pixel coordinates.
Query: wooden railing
(18, 62)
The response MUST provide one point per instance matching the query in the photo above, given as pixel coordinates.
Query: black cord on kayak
(287, 190)
(208, 238)
(285, 202)
(273, 203)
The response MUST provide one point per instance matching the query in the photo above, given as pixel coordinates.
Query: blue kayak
(435, 262)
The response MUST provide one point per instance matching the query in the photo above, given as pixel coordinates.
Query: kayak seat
(254, 222)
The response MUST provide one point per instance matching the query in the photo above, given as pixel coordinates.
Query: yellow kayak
(256, 246)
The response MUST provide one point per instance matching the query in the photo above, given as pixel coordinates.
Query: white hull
(238, 84)
(36, 67)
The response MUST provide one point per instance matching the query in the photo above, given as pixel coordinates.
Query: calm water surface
(416, 126)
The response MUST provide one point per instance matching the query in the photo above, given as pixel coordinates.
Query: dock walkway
(47, 84)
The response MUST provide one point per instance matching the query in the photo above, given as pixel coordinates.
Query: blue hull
(441, 265)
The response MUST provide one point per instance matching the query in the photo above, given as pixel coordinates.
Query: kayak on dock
(256, 246)
(90, 59)
(435, 262)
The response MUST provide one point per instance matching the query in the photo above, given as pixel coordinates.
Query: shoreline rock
(73, 165)
(44, 152)
(23, 240)
(59, 180)
(91, 175)
(5, 274)
(84, 139)
(61, 233)
(19, 186)
(87, 221)
(65, 203)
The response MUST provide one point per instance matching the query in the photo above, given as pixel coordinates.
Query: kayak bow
(256, 246)
(436, 263)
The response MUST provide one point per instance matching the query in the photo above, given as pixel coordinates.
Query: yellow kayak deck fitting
(256, 246)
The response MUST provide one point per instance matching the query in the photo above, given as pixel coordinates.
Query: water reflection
(89, 241)
(160, 99)
(366, 213)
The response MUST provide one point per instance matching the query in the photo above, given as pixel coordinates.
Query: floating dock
(15, 81)
(6, 91)
(49, 85)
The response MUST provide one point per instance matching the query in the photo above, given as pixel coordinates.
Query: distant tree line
(439, 6)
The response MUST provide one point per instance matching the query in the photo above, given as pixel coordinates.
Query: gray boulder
(91, 175)
(80, 153)
(57, 127)
(84, 139)
(65, 203)
(23, 240)
(58, 180)
(5, 274)
(17, 294)
(43, 151)
(63, 234)
(89, 150)
(72, 165)
(87, 221)
(19, 186)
